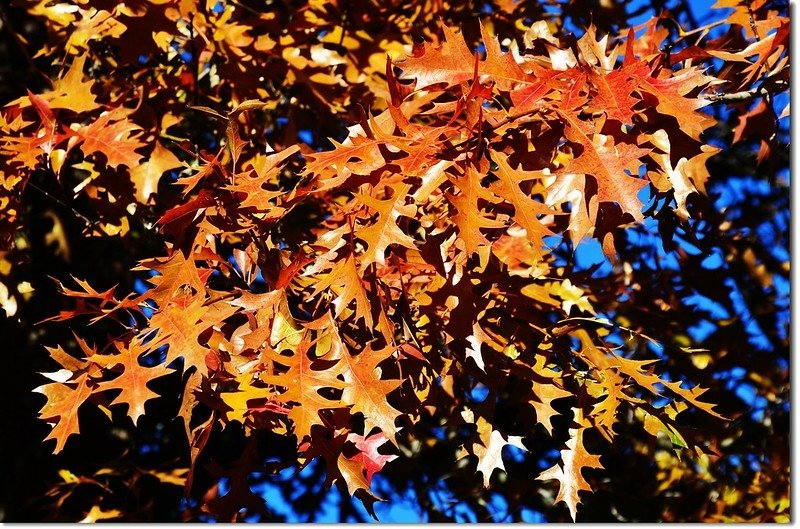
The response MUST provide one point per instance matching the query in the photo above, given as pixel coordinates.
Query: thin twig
(84, 218)
(747, 95)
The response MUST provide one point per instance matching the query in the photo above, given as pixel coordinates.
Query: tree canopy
(442, 261)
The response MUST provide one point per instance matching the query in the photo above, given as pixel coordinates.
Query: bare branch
(747, 95)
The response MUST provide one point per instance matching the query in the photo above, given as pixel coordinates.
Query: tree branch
(747, 95)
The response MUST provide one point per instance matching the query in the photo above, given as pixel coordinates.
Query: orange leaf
(134, 378)
(469, 218)
(526, 208)
(61, 408)
(384, 231)
(113, 135)
(367, 392)
(307, 375)
(452, 63)
(671, 99)
(71, 92)
(145, 176)
(571, 482)
(608, 163)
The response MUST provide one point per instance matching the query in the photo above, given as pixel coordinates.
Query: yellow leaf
(67, 476)
(175, 477)
(572, 296)
(96, 513)
(701, 360)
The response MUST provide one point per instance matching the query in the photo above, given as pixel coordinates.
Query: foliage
(362, 253)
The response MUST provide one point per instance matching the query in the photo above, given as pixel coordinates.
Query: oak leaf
(146, 175)
(309, 371)
(452, 63)
(671, 96)
(72, 92)
(365, 390)
(615, 91)
(612, 164)
(134, 377)
(178, 326)
(489, 448)
(468, 217)
(346, 281)
(526, 209)
(368, 455)
(114, 136)
(384, 232)
(571, 481)
(61, 408)
(358, 155)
